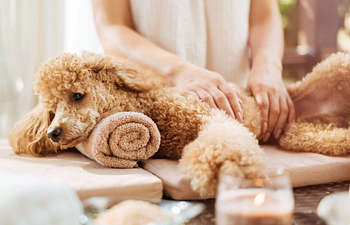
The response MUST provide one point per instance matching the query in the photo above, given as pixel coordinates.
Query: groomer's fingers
(234, 101)
(274, 111)
(263, 102)
(282, 118)
(291, 116)
(221, 101)
(206, 97)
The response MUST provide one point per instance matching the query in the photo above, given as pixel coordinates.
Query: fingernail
(267, 136)
(278, 134)
(239, 117)
(240, 101)
(264, 128)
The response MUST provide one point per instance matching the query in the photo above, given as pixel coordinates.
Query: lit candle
(254, 206)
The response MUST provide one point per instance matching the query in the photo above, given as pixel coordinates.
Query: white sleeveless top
(212, 34)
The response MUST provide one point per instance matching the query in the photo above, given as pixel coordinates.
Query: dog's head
(78, 90)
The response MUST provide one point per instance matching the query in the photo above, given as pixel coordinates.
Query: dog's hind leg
(325, 91)
(322, 106)
(318, 138)
(222, 142)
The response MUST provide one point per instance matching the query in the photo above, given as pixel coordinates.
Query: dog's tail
(29, 134)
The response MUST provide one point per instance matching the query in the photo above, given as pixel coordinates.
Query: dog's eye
(78, 97)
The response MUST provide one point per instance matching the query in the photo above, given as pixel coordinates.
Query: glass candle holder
(254, 201)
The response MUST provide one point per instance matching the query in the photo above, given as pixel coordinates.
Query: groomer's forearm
(266, 43)
(122, 41)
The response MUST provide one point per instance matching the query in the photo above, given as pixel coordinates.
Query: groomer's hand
(273, 99)
(211, 88)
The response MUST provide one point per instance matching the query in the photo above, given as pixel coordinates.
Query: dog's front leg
(222, 142)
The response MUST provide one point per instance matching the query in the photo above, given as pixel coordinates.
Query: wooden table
(306, 202)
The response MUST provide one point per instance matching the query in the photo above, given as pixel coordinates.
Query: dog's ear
(123, 73)
(29, 135)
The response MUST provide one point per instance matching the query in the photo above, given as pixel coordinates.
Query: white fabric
(31, 32)
(210, 34)
(80, 32)
(25, 200)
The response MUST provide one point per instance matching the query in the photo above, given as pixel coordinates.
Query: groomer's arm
(265, 80)
(115, 27)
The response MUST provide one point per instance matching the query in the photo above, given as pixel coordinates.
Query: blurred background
(32, 31)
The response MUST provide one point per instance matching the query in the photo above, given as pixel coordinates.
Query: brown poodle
(75, 93)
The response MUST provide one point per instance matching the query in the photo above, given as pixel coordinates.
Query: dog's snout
(55, 133)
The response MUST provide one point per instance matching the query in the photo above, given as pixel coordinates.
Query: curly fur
(29, 134)
(221, 139)
(319, 138)
(205, 140)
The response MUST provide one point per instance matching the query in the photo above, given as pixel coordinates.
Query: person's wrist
(268, 65)
(178, 70)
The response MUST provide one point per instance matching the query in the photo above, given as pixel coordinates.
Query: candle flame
(259, 199)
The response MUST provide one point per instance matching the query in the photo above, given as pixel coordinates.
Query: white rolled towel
(27, 201)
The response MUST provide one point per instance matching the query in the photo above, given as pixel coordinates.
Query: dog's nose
(55, 133)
